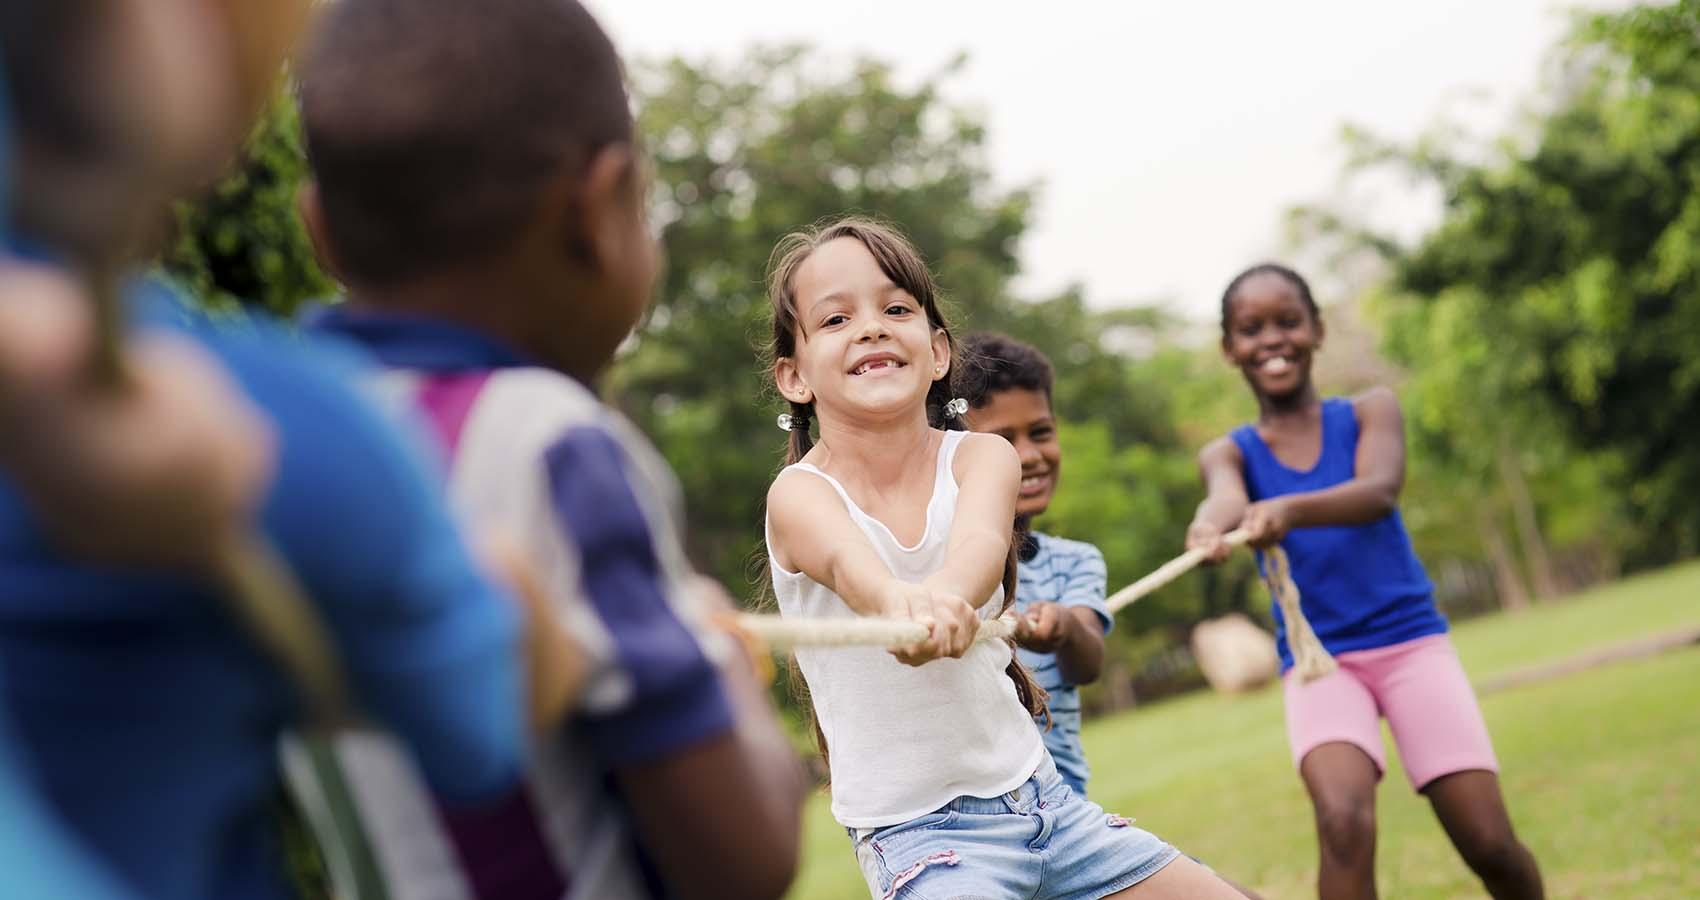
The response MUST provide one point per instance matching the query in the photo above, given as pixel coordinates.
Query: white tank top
(903, 740)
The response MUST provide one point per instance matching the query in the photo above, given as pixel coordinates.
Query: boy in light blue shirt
(1060, 588)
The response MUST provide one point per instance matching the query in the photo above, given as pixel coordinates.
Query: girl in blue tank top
(1321, 478)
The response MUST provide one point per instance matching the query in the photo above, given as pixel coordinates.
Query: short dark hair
(43, 44)
(993, 363)
(433, 126)
(1268, 268)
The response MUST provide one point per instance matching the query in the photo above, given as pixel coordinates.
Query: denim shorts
(1039, 841)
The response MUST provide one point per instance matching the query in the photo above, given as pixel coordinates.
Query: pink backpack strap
(446, 399)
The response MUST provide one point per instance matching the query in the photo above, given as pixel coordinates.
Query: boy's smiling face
(1023, 417)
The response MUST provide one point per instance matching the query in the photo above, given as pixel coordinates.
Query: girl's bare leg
(1182, 879)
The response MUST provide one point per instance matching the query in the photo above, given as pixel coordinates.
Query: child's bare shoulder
(1221, 451)
(795, 492)
(1379, 402)
(984, 449)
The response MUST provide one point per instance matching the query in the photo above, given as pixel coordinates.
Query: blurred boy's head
(120, 106)
(477, 161)
(1008, 388)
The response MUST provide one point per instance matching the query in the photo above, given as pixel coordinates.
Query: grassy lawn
(1601, 768)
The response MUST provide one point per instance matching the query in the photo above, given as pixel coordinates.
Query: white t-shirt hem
(934, 804)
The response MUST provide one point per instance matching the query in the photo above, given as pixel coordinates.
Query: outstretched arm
(812, 533)
(741, 794)
(1072, 624)
(988, 473)
(1225, 498)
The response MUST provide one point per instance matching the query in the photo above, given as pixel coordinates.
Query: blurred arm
(714, 789)
(1225, 497)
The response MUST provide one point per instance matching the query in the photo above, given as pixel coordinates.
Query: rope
(259, 588)
(781, 634)
(1166, 573)
(1310, 658)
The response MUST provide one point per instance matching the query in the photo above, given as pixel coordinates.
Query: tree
(1549, 320)
(242, 242)
(747, 151)
(1584, 255)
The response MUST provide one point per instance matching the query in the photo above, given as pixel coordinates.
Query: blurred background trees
(1544, 337)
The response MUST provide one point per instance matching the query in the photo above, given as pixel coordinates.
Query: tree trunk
(1118, 687)
(1528, 524)
(1513, 595)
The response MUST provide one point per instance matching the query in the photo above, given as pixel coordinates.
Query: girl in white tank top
(937, 771)
(963, 728)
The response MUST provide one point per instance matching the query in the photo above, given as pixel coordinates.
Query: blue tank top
(1361, 586)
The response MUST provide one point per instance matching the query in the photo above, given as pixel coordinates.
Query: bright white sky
(1168, 137)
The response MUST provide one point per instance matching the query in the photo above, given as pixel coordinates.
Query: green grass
(1601, 769)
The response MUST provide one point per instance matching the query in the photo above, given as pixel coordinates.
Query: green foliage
(1565, 280)
(1132, 500)
(1548, 322)
(744, 153)
(243, 243)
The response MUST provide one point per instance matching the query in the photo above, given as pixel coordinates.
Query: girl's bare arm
(989, 475)
(812, 533)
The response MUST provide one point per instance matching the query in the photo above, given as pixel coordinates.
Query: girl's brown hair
(902, 263)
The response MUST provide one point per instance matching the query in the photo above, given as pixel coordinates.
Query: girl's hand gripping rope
(951, 622)
(1266, 522)
(1210, 540)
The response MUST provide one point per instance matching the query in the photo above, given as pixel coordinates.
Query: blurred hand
(711, 594)
(950, 620)
(1207, 537)
(163, 471)
(555, 664)
(1043, 628)
(1266, 522)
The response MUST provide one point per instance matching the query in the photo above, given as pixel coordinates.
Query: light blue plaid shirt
(1070, 573)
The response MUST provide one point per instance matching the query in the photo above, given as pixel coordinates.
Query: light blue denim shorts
(1039, 841)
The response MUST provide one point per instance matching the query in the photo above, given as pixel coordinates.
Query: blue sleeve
(1084, 585)
(431, 646)
(677, 698)
(37, 852)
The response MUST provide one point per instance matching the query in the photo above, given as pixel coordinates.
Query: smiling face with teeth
(1271, 334)
(1023, 417)
(863, 344)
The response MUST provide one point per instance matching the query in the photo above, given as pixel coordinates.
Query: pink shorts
(1418, 685)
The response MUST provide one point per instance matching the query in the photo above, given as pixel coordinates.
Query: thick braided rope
(259, 587)
(782, 634)
(1310, 658)
(1166, 573)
